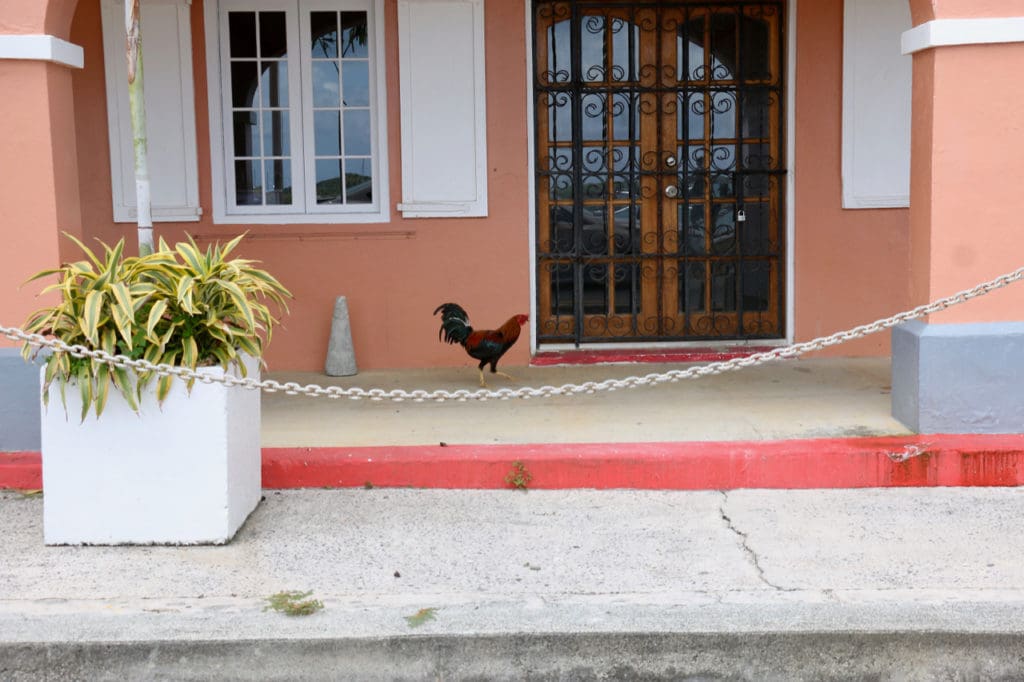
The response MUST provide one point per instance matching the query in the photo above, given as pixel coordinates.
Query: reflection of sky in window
(558, 48)
(593, 106)
(355, 80)
(325, 84)
(357, 132)
(723, 117)
(274, 84)
(356, 125)
(592, 48)
(327, 140)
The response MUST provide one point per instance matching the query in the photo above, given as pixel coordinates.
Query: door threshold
(591, 356)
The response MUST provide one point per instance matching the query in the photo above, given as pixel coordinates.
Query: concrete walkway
(815, 398)
(901, 584)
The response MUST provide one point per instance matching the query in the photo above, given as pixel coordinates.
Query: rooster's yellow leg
(483, 384)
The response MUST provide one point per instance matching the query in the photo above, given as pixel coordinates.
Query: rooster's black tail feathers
(454, 323)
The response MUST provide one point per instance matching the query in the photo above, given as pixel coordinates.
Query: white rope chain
(398, 395)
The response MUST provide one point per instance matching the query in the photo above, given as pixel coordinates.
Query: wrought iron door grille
(660, 170)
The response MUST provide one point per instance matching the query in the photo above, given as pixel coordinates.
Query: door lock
(671, 191)
(741, 216)
(670, 161)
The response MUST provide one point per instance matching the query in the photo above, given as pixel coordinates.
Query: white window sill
(301, 219)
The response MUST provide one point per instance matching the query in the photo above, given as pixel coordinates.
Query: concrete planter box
(184, 473)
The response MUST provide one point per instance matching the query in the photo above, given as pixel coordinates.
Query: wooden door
(660, 173)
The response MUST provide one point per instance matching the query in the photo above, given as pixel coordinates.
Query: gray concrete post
(19, 402)
(341, 356)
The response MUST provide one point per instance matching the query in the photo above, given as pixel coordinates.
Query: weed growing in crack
(293, 603)
(420, 617)
(519, 477)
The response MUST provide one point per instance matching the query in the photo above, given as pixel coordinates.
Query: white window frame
(221, 156)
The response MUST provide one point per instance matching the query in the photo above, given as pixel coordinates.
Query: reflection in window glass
(341, 107)
(261, 134)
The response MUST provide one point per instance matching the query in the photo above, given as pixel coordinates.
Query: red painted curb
(939, 460)
(595, 357)
(21, 470)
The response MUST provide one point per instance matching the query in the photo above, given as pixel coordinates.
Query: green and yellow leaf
(124, 385)
(90, 319)
(155, 313)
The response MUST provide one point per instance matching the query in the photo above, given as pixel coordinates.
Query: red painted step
(936, 460)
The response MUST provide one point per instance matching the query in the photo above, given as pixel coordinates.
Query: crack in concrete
(745, 544)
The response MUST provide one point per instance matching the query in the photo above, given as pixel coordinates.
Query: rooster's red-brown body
(485, 345)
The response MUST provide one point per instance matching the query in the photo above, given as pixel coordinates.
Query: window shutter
(876, 105)
(170, 110)
(444, 138)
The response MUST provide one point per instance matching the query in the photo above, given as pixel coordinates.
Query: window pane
(595, 289)
(594, 48)
(276, 137)
(627, 285)
(358, 185)
(357, 132)
(756, 285)
(354, 37)
(243, 84)
(274, 84)
(691, 287)
(755, 50)
(723, 114)
(723, 229)
(723, 286)
(278, 176)
(324, 32)
(242, 34)
(328, 181)
(327, 133)
(691, 222)
(355, 83)
(325, 84)
(559, 61)
(273, 35)
(246, 135)
(620, 49)
(248, 183)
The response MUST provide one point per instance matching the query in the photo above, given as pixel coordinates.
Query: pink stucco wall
(393, 275)
(39, 188)
(966, 202)
(850, 266)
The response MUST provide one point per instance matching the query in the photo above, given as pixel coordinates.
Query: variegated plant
(181, 306)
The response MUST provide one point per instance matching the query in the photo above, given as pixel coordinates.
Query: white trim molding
(42, 47)
(943, 32)
(876, 105)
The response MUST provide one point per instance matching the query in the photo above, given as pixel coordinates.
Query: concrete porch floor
(791, 399)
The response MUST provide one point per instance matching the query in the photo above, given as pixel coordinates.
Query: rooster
(485, 345)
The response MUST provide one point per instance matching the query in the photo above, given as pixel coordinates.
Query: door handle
(671, 191)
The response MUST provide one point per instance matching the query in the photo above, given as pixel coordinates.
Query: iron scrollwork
(612, 241)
